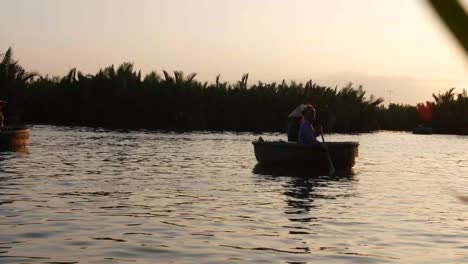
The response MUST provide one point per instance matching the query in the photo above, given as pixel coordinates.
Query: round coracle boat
(14, 137)
(342, 154)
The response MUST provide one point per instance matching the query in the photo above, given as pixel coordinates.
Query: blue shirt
(307, 135)
(293, 130)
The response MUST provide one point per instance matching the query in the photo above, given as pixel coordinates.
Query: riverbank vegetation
(447, 114)
(121, 97)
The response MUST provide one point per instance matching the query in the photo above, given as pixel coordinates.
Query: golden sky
(385, 45)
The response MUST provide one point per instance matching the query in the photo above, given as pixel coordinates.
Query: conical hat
(297, 112)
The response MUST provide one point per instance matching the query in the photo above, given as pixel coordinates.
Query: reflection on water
(302, 186)
(21, 149)
(99, 196)
(300, 171)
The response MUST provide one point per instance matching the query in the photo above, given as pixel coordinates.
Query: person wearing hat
(2, 105)
(295, 120)
(307, 133)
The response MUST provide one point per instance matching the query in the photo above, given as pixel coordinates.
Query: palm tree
(13, 83)
(11, 72)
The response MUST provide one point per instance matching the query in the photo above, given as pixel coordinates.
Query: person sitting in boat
(2, 105)
(295, 120)
(307, 133)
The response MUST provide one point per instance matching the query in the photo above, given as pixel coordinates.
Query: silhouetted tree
(121, 97)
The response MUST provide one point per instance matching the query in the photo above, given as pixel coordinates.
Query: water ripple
(100, 196)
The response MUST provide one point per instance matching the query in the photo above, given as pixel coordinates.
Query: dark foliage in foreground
(122, 98)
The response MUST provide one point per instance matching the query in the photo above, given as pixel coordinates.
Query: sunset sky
(388, 45)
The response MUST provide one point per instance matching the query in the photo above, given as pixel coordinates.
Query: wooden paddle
(331, 167)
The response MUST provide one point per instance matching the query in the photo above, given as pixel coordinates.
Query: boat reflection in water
(303, 187)
(19, 149)
(302, 171)
(14, 139)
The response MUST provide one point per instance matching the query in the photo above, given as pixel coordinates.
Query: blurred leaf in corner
(454, 17)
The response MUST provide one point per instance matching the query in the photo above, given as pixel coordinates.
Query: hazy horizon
(397, 46)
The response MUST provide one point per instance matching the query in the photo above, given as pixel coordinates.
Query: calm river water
(98, 196)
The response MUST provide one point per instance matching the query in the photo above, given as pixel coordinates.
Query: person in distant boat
(2, 105)
(295, 120)
(307, 133)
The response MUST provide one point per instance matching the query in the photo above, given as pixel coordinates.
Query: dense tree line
(447, 114)
(398, 117)
(121, 97)
(450, 112)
